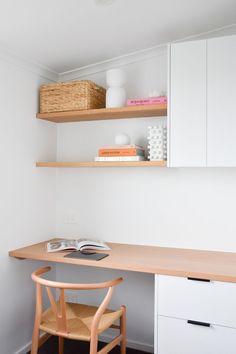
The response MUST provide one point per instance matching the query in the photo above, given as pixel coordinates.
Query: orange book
(121, 152)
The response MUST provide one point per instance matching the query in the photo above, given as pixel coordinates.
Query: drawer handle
(199, 279)
(197, 323)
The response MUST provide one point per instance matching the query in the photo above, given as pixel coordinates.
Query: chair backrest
(59, 309)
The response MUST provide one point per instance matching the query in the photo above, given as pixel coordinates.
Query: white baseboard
(106, 338)
(25, 349)
(145, 347)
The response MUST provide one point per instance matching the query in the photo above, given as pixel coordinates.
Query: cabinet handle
(199, 279)
(197, 323)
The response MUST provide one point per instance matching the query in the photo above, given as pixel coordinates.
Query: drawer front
(213, 302)
(176, 336)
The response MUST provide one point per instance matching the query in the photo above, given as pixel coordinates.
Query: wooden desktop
(211, 265)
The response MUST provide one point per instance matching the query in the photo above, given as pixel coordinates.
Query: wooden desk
(219, 266)
(178, 296)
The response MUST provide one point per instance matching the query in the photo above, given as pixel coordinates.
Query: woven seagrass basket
(71, 96)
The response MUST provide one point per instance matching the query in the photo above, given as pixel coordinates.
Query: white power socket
(71, 218)
(71, 296)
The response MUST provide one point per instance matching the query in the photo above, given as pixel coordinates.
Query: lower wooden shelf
(103, 164)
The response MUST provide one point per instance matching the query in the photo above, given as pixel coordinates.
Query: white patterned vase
(157, 143)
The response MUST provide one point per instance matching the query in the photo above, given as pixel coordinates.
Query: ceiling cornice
(85, 71)
(25, 64)
(137, 56)
(102, 66)
(229, 30)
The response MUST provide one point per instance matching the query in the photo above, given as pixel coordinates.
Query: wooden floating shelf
(105, 114)
(103, 164)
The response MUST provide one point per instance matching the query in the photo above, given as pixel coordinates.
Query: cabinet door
(180, 337)
(221, 97)
(187, 108)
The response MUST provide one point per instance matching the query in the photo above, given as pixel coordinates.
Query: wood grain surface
(211, 265)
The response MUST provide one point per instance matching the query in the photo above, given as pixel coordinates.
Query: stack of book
(121, 153)
(147, 101)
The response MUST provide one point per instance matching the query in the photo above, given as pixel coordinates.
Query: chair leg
(35, 339)
(123, 330)
(93, 344)
(61, 345)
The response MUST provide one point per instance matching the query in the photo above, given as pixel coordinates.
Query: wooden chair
(77, 321)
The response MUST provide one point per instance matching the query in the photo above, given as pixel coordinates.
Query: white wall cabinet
(187, 136)
(221, 101)
(194, 316)
(203, 103)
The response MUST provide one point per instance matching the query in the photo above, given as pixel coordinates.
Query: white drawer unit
(176, 336)
(194, 316)
(200, 300)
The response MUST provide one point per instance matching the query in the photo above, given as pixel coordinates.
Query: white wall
(191, 208)
(188, 208)
(27, 202)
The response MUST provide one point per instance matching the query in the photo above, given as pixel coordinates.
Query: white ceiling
(66, 34)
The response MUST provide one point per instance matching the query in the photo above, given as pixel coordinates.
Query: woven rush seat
(79, 321)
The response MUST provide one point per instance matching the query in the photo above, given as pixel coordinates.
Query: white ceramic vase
(115, 95)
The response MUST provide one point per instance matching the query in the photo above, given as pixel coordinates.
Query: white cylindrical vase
(115, 78)
(115, 97)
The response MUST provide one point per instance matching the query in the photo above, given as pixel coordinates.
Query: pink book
(147, 101)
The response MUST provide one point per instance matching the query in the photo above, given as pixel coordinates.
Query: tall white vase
(115, 95)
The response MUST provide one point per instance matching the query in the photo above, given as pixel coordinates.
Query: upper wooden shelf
(105, 113)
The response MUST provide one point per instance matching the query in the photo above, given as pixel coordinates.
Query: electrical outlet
(71, 296)
(71, 218)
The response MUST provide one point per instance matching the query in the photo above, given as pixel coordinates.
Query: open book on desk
(76, 245)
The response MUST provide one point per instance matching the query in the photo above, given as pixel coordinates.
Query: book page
(91, 244)
(80, 244)
(60, 245)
